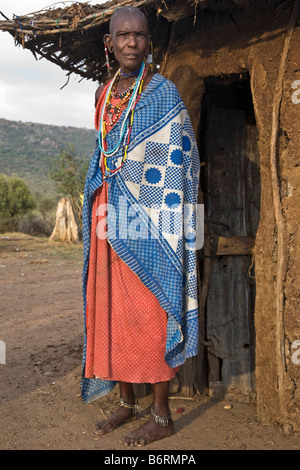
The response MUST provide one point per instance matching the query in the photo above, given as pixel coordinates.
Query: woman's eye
(137, 35)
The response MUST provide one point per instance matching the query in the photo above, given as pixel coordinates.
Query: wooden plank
(235, 245)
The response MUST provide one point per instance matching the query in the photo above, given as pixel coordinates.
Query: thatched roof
(71, 37)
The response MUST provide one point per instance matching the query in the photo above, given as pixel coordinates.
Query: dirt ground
(40, 404)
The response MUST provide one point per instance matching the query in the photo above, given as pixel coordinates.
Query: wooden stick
(278, 211)
(181, 398)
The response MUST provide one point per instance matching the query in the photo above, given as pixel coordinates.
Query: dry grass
(38, 250)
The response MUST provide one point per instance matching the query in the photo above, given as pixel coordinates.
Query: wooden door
(232, 197)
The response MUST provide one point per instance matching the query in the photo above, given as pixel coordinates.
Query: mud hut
(236, 65)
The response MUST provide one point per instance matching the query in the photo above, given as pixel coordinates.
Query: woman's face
(129, 39)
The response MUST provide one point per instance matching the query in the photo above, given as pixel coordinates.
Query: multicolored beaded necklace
(130, 89)
(113, 111)
(133, 98)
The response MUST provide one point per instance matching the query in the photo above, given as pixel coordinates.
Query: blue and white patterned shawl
(159, 178)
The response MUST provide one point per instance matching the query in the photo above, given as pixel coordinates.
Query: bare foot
(149, 432)
(122, 415)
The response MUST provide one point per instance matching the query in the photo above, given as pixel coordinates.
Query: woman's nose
(132, 41)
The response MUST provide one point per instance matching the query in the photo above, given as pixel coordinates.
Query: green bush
(16, 200)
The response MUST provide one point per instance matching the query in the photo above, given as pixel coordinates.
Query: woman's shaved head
(126, 12)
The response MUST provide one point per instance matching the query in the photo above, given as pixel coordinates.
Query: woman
(137, 330)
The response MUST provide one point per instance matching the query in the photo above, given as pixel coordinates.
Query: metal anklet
(134, 407)
(161, 420)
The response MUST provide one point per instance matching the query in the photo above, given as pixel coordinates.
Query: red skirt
(126, 326)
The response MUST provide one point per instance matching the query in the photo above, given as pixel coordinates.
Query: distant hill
(26, 147)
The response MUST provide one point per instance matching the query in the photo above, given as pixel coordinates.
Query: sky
(30, 89)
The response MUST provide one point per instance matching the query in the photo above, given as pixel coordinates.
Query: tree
(15, 200)
(69, 173)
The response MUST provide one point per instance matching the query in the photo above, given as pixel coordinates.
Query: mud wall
(255, 45)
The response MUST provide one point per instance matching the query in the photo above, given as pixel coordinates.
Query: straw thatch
(71, 37)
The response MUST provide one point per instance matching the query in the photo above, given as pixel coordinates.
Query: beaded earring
(150, 57)
(150, 60)
(109, 68)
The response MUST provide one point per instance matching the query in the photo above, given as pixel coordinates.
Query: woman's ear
(108, 41)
